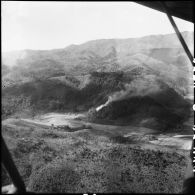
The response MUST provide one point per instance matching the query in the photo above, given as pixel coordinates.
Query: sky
(50, 25)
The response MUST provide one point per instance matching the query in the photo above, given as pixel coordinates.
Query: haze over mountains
(107, 115)
(80, 77)
(162, 54)
(74, 55)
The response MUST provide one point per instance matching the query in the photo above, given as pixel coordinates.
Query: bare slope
(87, 161)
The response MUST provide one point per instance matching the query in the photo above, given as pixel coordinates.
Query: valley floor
(104, 158)
(140, 133)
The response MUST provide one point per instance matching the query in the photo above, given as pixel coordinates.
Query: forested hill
(81, 77)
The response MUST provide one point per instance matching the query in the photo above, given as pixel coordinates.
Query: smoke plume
(138, 87)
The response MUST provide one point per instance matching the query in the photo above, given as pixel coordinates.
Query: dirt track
(178, 141)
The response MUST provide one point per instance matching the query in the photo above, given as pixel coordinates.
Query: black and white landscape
(110, 115)
(96, 97)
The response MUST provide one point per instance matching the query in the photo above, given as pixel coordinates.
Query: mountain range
(160, 53)
(83, 76)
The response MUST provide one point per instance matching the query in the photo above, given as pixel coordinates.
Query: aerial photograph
(97, 97)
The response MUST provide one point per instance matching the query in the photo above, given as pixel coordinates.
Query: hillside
(107, 115)
(81, 77)
(101, 48)
(161, 54)
(146, 111)
(90, 160)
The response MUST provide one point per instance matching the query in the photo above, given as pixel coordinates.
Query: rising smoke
(138, 87)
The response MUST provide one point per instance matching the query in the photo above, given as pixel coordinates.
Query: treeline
(122, 170)
(167, 108)
(55, 95)
(14, 104)
(160, 111)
